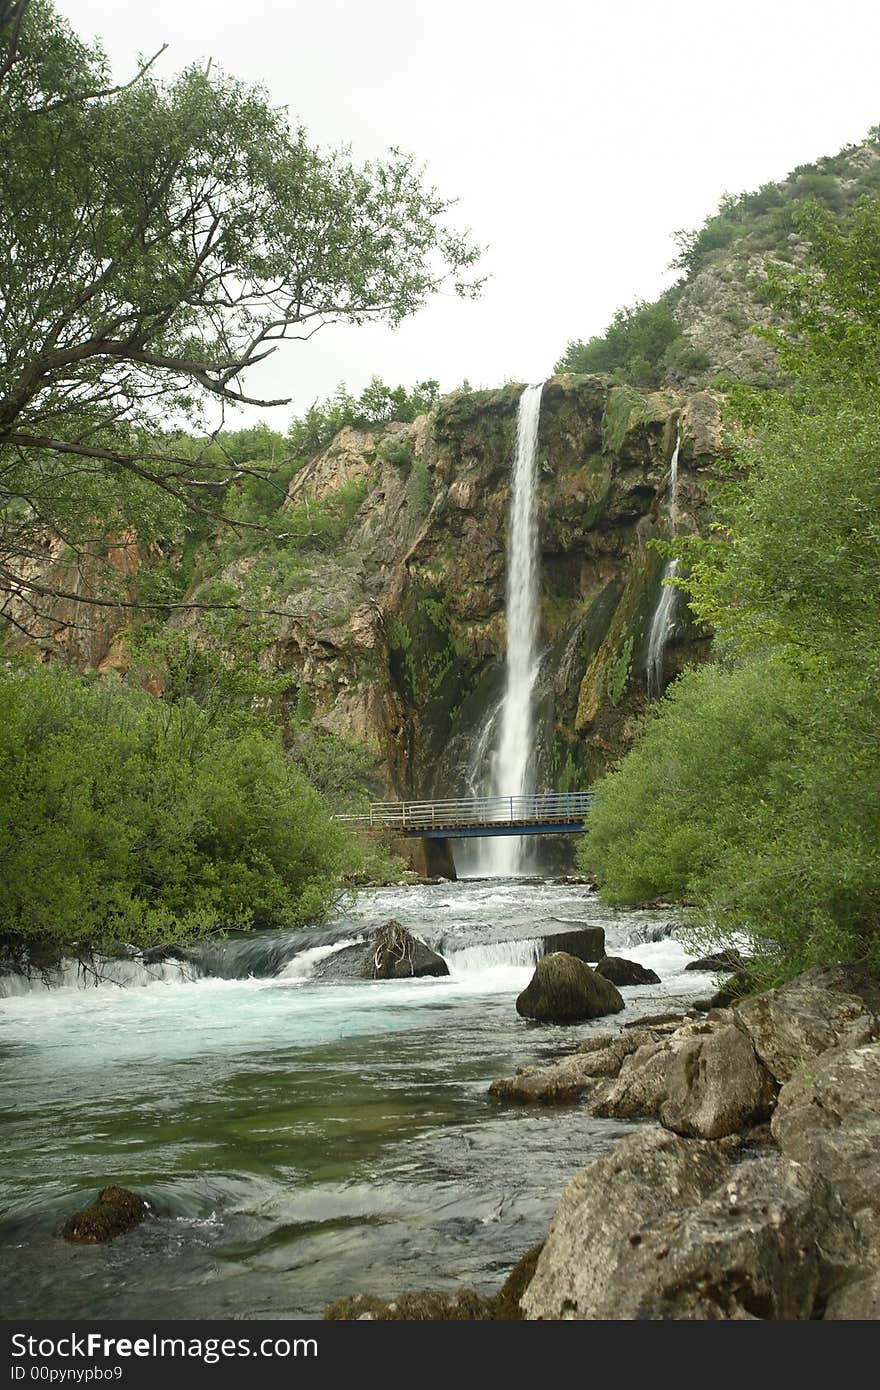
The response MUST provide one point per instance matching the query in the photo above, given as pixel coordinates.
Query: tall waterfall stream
(513, 760)
(661, 623)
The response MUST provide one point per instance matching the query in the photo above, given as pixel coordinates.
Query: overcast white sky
(577, 136)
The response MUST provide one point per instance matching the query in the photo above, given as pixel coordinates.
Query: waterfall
(513, 764)
(661, 623)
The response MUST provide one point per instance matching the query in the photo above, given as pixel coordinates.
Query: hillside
(698, 333)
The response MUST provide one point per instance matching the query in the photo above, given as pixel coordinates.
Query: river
(300, 1140)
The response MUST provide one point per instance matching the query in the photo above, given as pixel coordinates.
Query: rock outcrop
(564, 989)
(665, 1228)
(837, 1006)
(673, 1223)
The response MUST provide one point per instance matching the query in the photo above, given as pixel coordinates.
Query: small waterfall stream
(661, 623)
(513, 762)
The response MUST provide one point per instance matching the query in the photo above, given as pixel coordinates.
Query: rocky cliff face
(398, 635)
(394, 631)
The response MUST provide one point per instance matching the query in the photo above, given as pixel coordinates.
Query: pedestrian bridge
(549, 813)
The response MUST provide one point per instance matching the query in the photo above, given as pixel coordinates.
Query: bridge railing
(480, 810)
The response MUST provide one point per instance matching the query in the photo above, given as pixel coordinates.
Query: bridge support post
(429, 857)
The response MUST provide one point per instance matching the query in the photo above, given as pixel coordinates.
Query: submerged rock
(114, 1211)
(433, 1305)
(626, 972)
(393, 953)
(564, 989)
(428, 1305)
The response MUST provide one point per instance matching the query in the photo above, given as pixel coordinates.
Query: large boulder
(114, 1211)
(716, 1086)
(564, 989)
(826, 1007)
(828, 1118)
(626, 972)
(856, 1302)
(395, 954)
(607, 1223)
(663, 1228)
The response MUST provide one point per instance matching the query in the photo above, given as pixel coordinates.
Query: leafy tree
(377, 404)
(156, 242)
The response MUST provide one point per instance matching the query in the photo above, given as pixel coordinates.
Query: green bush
(124, 817)
(633, 344)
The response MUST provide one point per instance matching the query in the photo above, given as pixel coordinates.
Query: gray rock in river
(392, 953)
(716, 1086)
(587, 943)
(626, 972)
(564, 989)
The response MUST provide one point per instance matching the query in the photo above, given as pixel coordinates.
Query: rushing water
(513, 763)
(661, 623)
(299, 1140)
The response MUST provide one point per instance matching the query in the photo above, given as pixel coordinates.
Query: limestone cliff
(397, 636)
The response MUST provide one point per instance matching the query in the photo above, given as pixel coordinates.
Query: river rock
(428, 1305)
(626, 972)
(114, 1211)
(662, 1228)
(157, 955)
(587, 943)
(828, 1117)
(722, 961)
(716, 1086)
(395, 954)
(605, 1226)
(564, 989)
(597, 1060)
(641, 1086)
(826, 1007)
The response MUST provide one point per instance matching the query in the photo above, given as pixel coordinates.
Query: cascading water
(661, 623)
(513, 764)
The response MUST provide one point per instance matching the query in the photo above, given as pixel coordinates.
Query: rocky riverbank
(754, 1194)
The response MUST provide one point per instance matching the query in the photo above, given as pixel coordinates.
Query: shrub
(123, 817)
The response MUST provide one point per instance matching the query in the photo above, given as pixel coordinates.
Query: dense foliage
(754, 790)
(124, 817)
(642, 345)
